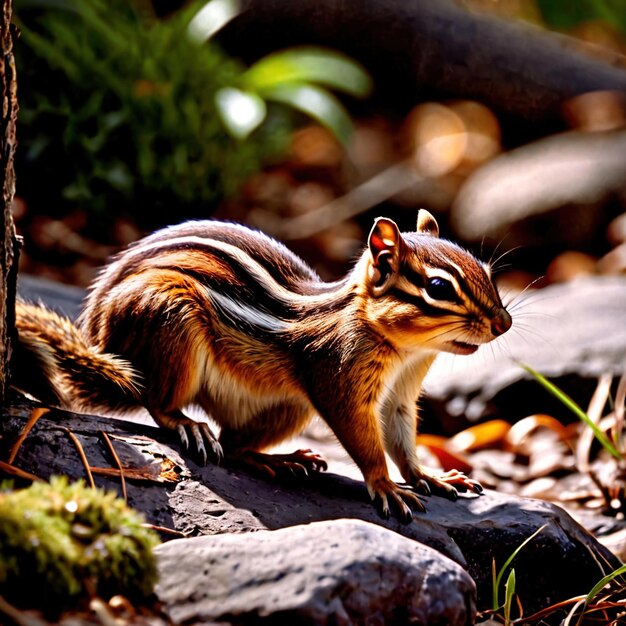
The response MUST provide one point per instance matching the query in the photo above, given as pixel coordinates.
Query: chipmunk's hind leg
(447, 484)
(200, 432)
(298, 464)
(245, 445)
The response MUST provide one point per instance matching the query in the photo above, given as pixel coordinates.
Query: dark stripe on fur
(419, 302)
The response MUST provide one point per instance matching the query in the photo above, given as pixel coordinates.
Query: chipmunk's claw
(422, 486)
(202, 435)
(182, 434)
(208, 437)
(305, 459)
(448, 484)
(462, 482)
(384, 491)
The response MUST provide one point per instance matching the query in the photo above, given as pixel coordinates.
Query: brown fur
(52, 358)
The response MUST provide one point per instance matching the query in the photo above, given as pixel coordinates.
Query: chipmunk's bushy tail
(53, 362)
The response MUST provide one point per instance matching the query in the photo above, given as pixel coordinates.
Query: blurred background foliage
(123, 112)
(562, 15)
(117, 111)
(567, 15)
(132, 117)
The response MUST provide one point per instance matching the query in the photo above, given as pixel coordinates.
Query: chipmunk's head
(426, 292)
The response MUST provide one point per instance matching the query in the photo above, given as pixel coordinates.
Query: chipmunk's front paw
(203, 437)
(448, 484)
(384, 491)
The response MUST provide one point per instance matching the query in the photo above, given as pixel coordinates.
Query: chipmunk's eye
(441, 289)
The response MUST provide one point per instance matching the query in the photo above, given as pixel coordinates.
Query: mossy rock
(69, 541)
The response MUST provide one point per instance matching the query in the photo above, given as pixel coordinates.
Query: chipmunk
(224, 317)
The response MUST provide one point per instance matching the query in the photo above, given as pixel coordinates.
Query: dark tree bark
(9, 247)
(419, 49)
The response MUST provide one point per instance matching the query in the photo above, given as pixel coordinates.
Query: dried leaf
(486, 435)
(526, 426)
(448, 459)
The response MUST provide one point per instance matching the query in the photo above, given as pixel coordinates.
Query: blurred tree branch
(413, 46)
(575, 169)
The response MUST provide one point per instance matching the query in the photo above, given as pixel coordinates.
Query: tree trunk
(9, 245)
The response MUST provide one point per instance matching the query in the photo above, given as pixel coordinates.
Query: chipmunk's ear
(427, 224)
(385, 246)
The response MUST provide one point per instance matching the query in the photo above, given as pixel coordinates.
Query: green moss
(68, 540)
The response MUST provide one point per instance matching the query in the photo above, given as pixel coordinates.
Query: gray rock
(335, 572)
(65, 299)
(563, 561)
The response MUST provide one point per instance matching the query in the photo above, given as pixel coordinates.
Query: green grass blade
(509, 592)
(494, 585)
(508, 562)
(572, 406)
(601, 583)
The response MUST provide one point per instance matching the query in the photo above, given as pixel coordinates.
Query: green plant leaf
(509, 592)
(308, 65)
(211, 17)
(572, 406)
(113, 82)
(316, 102)
(240, 111)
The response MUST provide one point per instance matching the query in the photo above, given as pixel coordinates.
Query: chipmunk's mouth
(460, 347)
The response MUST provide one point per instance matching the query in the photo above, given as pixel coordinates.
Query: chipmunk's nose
(501, 323)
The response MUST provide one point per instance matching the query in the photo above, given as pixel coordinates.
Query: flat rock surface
(331, 572)
(564, 560)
